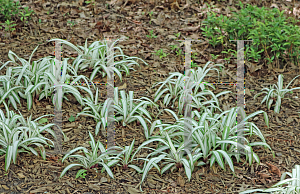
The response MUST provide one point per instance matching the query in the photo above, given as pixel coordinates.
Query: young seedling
(9, 26)
(88, 2)
(173, 47)
(179, 52)
(81, 173)
(151, 34)
(72, 23)
(177, 34)
(161, 53)
(193, 56)
(193, 64)
(26, 15)
(71, 119)
(214, 57)
(150, 14)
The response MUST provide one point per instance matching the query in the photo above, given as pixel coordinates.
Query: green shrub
(9, 9)
(274, 35)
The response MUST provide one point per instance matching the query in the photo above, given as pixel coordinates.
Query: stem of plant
(123, 132)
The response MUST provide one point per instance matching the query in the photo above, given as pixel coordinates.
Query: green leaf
(71, 119)
(43, 120)
(81, 173)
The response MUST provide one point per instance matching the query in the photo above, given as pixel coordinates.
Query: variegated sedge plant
(276, 91)
(17, 137)
(177, 87)
(174, 157)
(39, 79)
(10, 79)
(127, 109)
(125, 156)
(51, 82)
(174, 92)
(220, 133)
(210, 141)
(223, 136)
(91, 159)
(25, 75)
(96, 57)
(98, 111)
(201, 132)
(293, 184)
(9, 91)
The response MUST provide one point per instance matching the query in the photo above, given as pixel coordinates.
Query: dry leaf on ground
(274, 169)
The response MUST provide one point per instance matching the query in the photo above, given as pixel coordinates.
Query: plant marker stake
(110, 94)
(58, 99)
(240, 87)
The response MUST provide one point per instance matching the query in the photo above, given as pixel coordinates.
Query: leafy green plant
(150, 15)
(214, 57)
(173, 47)
(293, 184)
(179, 52)
(231, 53)
(177, 34)
(193, 64)
(151, 34)
(92, 1)
(273, 34)
(91, 159)
(71, 118)
(161, 53)
(252, 54)
(9, 9)
(276, 91)
(209, 33)
(193, 56)
(43, 120)
(81, 173)
(9, 26)
(25, 16)
(72, 23)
